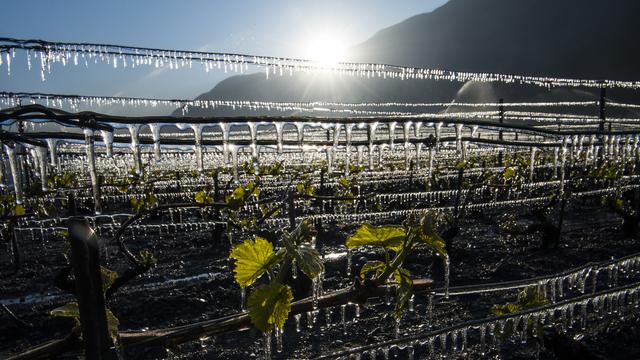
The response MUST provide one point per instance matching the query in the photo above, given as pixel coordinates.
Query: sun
(325, 50)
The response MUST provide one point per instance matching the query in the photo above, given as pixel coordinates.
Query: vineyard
(330, 231)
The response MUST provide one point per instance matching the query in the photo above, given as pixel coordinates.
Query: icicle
(397, 327)
(53, 150)
(372, 138)
(42, 159)
(266, 343)
(392, 135)
(243, 295)
(135, 148)
(446, 275)
(278, 126)
(430, 310)
(278, 339)
(224, 127)
(197, 132)
(15, 173)
(343, 320)
(91, 160)
(533, 162)
(155, 134)
(107, 138)
(297, 317)
(437, 127)
(234, 162)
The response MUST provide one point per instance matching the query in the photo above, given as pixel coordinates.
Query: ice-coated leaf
(253, 258)
(428, 235)
(269, 305)
(302, 233)
(391, 237)
(236, 199)
(405, 290)
(308, 260)
(377, 266)
(108, 278)
(18, 210)
(70, 310)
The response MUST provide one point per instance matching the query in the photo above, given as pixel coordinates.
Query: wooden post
(88, 280)
(603, 119)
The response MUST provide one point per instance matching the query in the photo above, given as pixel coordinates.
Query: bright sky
(280, 28)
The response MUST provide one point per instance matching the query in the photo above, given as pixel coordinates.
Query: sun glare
(325, 50)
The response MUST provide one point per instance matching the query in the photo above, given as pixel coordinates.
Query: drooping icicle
(155, 134)
(278, 127)
(253, 131)
(91, 161)
(15, 173)
(437, 127)
(563, 161)
(348, 130)
(107, 138)
(372, 138)
(135, 148)
(392, 133)
(533, 163)
(278, 339)
(447, 266)
(197, 132)
(459, 147)
(224, 127)
(406, 127)
(53, 151)
(234, 162)
(42, 159)
(243, 296)
(266, 345)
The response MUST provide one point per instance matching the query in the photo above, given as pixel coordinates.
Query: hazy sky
(277, 27)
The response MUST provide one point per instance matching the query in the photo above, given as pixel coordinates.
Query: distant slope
(570, 38)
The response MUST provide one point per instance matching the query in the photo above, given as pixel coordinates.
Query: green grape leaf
(302, 233)
(112, 324)
(391, 237)
(201, 197)
(308, 260)
(270, 305)
(428, 235)
(236, 199)
(377, 266)
(404, 292)
(69, 310)
(148, 260)
(18, 210)
(253, 258)
(108, 278)
(509, 173)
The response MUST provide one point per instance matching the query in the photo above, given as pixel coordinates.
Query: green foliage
(390, 237)
(71, 310)
(253, 258)
(144, 204)
(608, 170)
(405, 290)
(148, 260)
(529, 298)
(299, 244)
(66, 180)
(402, 240)
(306, 186)
(269, 305)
